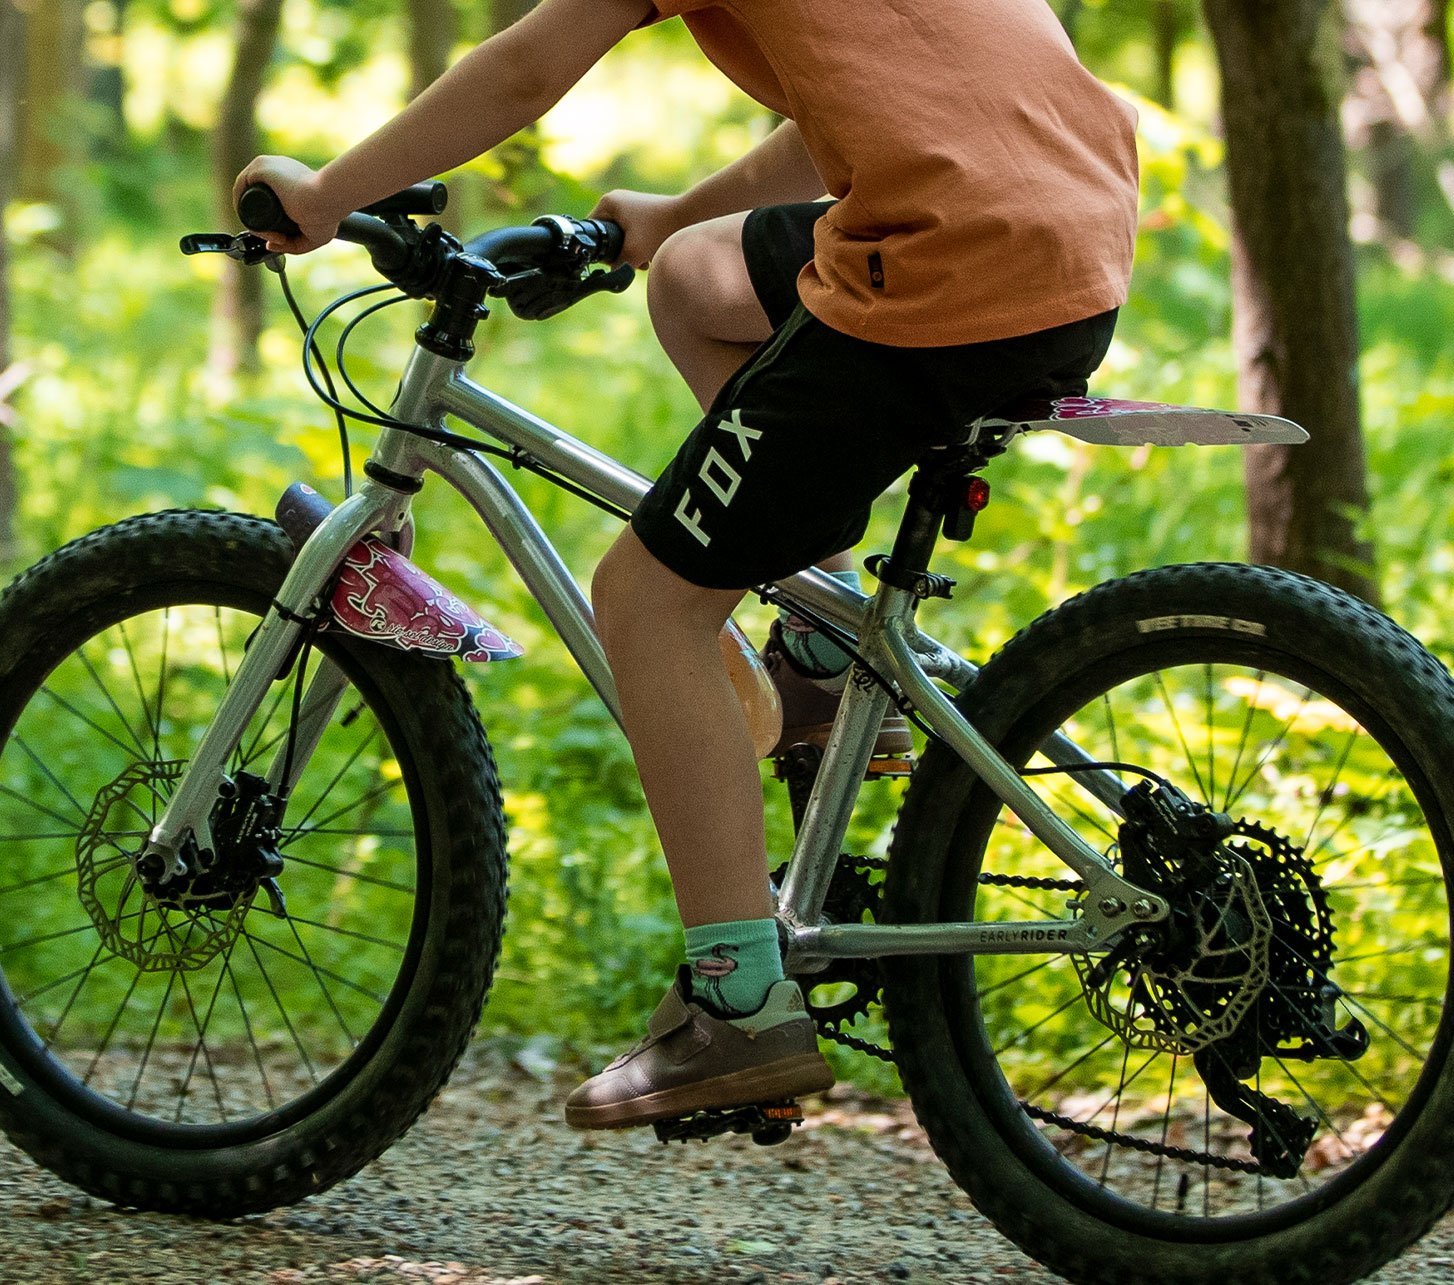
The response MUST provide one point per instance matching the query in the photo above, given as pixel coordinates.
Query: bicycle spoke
(247, 1026)
(1165, 1129)
(155, 1027)
(1116, 1114)
(380, 1000)
(293, 858)
(329, 788)
(1180, 735)
(1061, 1074)
(44, 811)
(70, 1003)
(68, 869)
(374, 792)
(1211, 736)
(281, 695)
(1030, 1030)
(55, 936)
(161, 686)
(1271, 749)
(111, 1029)
(87, 719)
(111, 700)
(282, 1012)
(1326, 794)
(151, 725)
(317, 973)
(1008, 981)
(202, 1045)
(347, 932)
(1252, 706)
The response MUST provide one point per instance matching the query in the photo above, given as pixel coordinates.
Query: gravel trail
(491, 1188)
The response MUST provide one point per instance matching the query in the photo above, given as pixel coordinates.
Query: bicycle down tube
(889, 641)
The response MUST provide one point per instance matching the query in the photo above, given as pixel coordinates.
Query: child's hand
(646, 219)
(297, 187)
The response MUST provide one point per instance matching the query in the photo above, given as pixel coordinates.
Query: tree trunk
(1166, 27)
(12, 72)
(1296, 329)
(237, 315)
(52, 137)
(1398, 100)
(432, 26)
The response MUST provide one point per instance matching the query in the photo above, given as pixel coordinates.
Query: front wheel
(1262, 1091)
(229, 1045)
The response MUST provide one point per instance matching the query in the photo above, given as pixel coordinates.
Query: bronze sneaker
(809, 710)
(693, 1061)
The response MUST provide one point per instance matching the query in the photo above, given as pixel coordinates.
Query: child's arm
(776, 172)
(495, 91)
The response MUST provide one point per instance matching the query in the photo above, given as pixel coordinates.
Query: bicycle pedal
(769, 1123)
(889, 765)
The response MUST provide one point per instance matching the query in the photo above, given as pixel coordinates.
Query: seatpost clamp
(922, 584)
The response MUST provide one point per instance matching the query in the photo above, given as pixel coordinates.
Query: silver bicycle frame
(888, 640)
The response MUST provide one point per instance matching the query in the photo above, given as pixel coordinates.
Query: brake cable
(327, 393)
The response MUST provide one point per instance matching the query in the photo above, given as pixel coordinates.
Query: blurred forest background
(1295, 256)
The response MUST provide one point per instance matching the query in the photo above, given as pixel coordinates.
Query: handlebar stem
(459, 307)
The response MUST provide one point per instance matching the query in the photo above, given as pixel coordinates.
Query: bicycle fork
(269, 655)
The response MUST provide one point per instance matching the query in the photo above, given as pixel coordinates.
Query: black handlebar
(539, 270)
(260, 211)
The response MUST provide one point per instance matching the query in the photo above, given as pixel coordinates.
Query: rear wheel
(233, 1046)
(1267, 1095)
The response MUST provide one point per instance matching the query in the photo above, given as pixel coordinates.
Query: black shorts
(785, 466)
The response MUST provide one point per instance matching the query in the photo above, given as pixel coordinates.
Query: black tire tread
(189, 545)
(1415, 1189)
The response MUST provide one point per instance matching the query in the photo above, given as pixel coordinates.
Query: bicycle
(1245, 772)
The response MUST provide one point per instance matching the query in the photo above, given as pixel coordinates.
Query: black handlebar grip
(421, 200)
(261, 211)
(613, 237)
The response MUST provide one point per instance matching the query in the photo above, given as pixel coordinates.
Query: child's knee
(698, 282)
(673, 289)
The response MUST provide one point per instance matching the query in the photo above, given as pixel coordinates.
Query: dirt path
(492, 1188)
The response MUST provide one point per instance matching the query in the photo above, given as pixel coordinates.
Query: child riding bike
(976, 250)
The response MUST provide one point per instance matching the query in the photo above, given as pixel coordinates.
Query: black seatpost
(919, 530)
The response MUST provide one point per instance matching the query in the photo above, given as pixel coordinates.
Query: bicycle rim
(179, 1024)
(1096, 1089)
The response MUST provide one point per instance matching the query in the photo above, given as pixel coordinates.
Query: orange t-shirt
(987, 182)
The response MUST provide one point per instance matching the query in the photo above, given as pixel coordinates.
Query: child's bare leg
(703, 307)
(687, 732)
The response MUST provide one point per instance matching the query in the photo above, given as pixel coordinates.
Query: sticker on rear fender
(9, 1083)
(1229, 623)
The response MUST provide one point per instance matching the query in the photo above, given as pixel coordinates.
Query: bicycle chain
(1094, 1132)
(832, 1032)
(1140, 1144)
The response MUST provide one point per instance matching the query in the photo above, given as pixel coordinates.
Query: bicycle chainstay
(1095, 1132)
(830, 1029)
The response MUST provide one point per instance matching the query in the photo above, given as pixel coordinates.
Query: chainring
(851, 896)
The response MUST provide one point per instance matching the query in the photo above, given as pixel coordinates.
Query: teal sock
(734, 964)
(819, 655)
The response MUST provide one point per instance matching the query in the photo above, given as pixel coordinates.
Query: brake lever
(537, 296)
(247, 249)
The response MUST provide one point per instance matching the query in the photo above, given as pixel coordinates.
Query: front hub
(191, 918)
